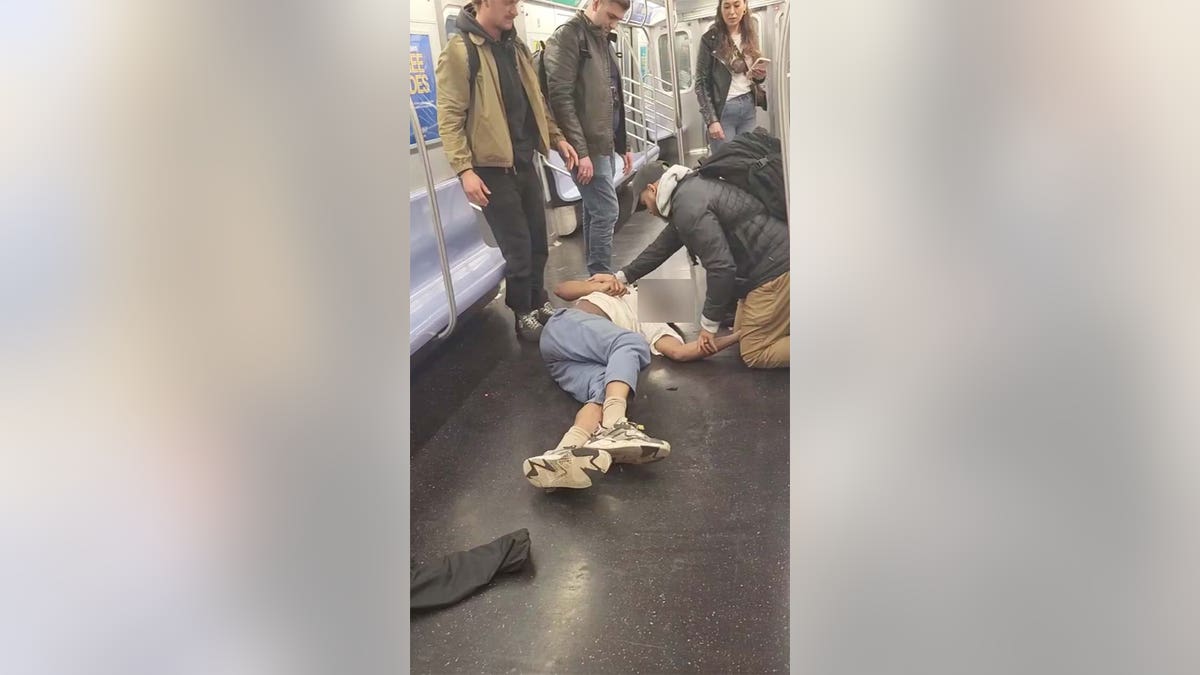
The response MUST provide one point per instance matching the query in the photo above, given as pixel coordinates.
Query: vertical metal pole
(437, 220)
(782, 88)
(440, 8)
(675, 80)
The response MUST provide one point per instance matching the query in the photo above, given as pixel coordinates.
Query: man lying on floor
(736, 239)
(595, 351)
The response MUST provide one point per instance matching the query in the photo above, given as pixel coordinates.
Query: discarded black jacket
(458, 575)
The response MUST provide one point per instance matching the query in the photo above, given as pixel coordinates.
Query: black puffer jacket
(713, 78)
(739, 244)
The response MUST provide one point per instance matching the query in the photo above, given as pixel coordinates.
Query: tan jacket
(480, 137)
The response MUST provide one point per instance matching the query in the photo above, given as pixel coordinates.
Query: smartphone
(762, 59)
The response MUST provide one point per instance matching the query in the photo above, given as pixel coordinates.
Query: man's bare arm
(673, 348)
(576, 289)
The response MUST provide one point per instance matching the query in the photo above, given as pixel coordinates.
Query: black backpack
(539, 58)
(752, 161)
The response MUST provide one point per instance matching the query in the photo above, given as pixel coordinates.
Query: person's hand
(628, 162)
(758, 72)
(708, 343)
(584, 170)
(568, 154)
(609, 284)
(476, 191)
(715, 131)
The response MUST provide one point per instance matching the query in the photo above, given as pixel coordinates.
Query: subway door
(764, 24)
(535, 24)
(692, 125)
(687, 49)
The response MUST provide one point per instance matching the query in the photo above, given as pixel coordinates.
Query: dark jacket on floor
(458, 575)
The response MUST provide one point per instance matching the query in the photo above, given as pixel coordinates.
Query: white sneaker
(566, 467)
(628, 444)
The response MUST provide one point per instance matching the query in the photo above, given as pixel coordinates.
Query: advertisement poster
(422, 87)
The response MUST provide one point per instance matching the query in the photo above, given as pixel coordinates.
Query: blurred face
(607, 14)
(498, 13)
(732, 12)
(649, 199)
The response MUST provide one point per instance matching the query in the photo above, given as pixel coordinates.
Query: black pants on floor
(516, 212)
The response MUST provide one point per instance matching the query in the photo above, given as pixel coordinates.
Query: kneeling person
(743, 248)
(594, 351)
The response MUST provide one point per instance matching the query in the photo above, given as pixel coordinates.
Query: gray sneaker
(544, 312)
(565, 467)
(628, 444)
(528, 327)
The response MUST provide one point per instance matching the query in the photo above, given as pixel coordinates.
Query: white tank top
(623, 312)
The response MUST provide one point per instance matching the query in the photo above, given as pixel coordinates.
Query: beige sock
(614, 411)
(575, 436)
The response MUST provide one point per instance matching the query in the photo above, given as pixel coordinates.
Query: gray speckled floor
(679, 566)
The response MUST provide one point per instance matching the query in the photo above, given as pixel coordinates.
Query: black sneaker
(528, 327)
(544, 313)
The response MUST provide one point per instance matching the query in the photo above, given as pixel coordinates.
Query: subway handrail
(556, 169)
(438, 230)
(652, 100)
(656, 127)
(647, 125)
(670, 6)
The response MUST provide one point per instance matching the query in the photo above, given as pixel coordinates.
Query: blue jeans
(737, 117)
(585, 352)
(600, 212)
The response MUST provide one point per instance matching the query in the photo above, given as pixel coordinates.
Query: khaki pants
(764, 318)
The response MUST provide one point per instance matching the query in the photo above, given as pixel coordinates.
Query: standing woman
(728, 83)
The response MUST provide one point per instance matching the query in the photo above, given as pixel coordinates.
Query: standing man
(493, 119)
(583, 82)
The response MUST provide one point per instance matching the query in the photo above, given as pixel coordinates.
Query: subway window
(683, 60)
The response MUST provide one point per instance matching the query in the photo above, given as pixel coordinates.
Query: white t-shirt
(623, 312)
(741, 83)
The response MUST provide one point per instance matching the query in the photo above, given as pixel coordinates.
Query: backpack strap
(472, 67)
(585, 50)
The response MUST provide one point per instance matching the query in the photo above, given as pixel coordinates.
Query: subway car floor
(677, 566)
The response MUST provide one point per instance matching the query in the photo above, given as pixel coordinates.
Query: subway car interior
(676, 566)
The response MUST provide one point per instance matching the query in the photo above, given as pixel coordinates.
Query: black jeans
(516, 212)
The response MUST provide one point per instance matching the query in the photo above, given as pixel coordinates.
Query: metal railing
(438, 230)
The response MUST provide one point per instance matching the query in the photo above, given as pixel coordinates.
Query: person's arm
(575, 289)
(562, 69)
(663, 247)
(703, 83)
(707, 240)
(453, 99)
(673, 348)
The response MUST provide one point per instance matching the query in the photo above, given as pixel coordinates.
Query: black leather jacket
(713, 77)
